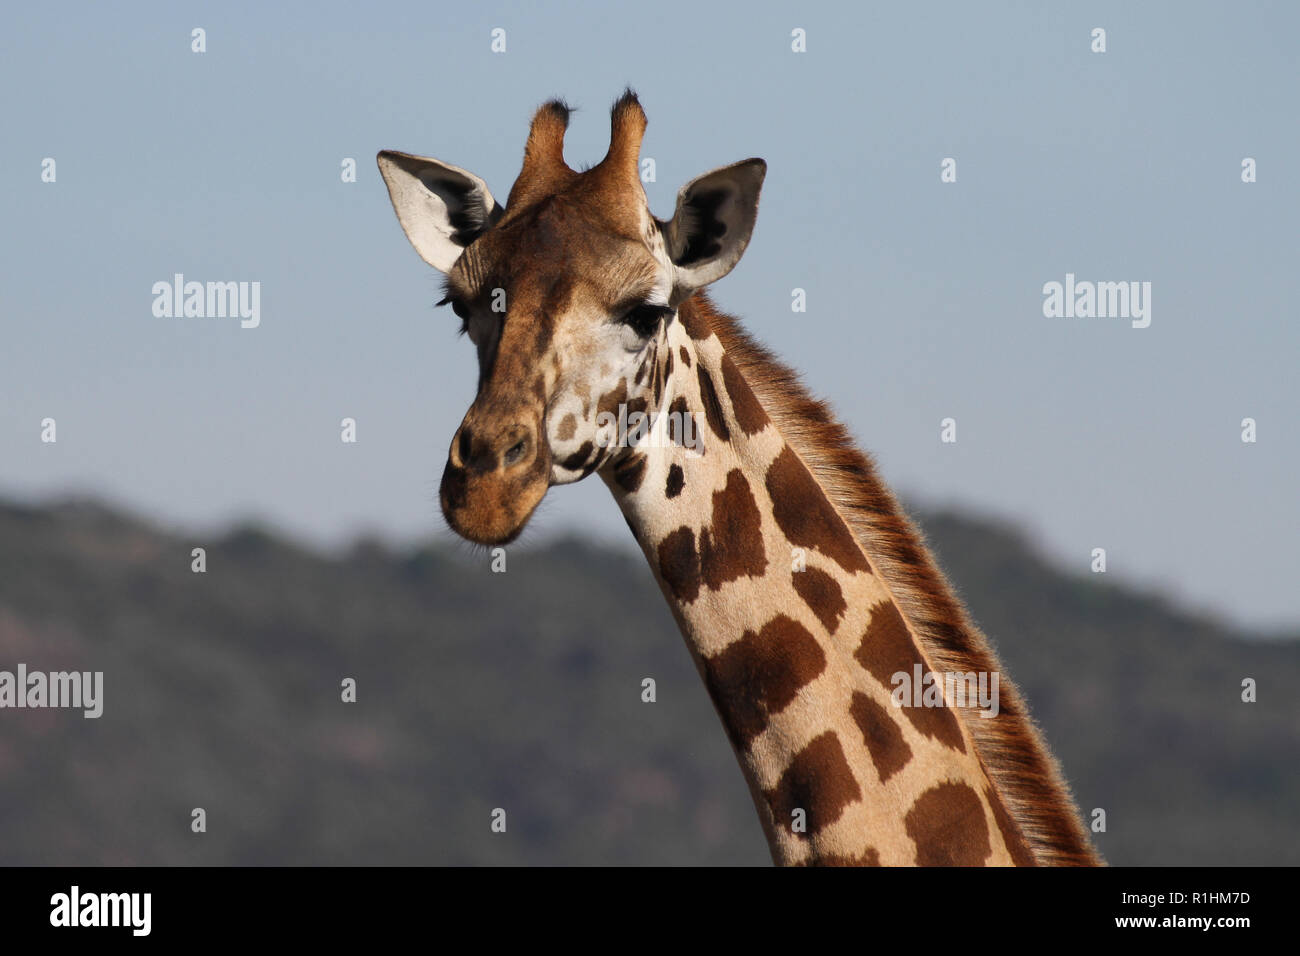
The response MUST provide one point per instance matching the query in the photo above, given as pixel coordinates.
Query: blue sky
(924, 298)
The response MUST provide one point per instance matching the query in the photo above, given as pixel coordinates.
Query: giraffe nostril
(462, 446)
(516, 452)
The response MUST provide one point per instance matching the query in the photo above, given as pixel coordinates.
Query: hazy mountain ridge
(522, 690)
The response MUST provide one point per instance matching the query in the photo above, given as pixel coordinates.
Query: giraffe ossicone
(801, 589)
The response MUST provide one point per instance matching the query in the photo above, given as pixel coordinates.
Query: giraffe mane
(1010, 746)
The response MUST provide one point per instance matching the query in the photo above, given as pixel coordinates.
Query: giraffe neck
(797, 637)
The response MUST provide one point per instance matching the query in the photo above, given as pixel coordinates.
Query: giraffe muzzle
(494, 479)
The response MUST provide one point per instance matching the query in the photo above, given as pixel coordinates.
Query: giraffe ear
(712, 225)
(441, 207)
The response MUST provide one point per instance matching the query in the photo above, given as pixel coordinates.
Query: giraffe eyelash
(459, 308)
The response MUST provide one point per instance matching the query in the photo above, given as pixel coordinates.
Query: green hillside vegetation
(522, 691)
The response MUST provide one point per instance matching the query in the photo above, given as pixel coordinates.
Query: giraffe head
(567, 293)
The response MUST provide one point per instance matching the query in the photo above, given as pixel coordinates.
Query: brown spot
(868, 857)
(880, 732)
(638, 404)
(750, 415)
(668, 363)
(712, 407)
(732, 546)
(694, 321)
(1011, 835)
(678, 417)
(819, 781)
(806, 517)
(610, 401)
(679, 564)
(947, 825)
(568, 428)
(676, 481)
(629, 472)
(820, 592)
(686, 356)
(758, 675)
(887, 649)
(579, 458)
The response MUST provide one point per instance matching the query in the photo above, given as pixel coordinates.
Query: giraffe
(801, 588)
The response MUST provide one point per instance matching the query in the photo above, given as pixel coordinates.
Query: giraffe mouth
(491, 508)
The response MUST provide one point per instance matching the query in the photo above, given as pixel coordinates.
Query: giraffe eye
(644, 319)
(459, 307)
